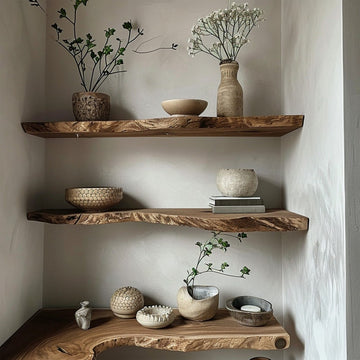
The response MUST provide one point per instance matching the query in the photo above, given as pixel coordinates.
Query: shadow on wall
(148, 354)
(297, 346)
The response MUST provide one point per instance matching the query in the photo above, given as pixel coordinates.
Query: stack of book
(236, 205)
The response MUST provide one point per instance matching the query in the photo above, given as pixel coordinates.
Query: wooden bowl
(184, 106)
(248, 318)
(94, 198)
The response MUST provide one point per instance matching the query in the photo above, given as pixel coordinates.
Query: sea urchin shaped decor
(156, 316)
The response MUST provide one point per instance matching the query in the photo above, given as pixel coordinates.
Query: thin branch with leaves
(205, 250)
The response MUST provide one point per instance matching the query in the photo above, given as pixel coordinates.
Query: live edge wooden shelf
(53, 334)
(271, 220)
(172, 126)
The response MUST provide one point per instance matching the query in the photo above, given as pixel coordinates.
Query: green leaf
(109, 32)
(121, 51)
(127, 25)
(245, 271)
(89, 36)
(107, 50)
(119, 62)
(224, 265)
(198, 243)
(194, 272)
(62, 13)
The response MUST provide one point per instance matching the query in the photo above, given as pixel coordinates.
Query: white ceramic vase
(237, 182)
(201, 306)
(83, 315)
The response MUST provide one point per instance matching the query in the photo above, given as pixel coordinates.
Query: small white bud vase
(230, 93)
(83, 315)
(237, 182)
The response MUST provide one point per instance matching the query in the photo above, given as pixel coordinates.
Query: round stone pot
(91, 106)
(201, 306)
(237, 182)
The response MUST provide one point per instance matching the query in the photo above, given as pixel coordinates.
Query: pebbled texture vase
(91, 106)
(230, 93)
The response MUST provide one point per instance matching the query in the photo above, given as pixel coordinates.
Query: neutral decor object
(95, 64)
(260, 358)
(230, 92)
(221, 35)
(156, 316)
(237, 182)
(94, 198)
(201, 305)
(83, 315)
(250, 318)
(126, 301)
(91, 106)
(184, 106)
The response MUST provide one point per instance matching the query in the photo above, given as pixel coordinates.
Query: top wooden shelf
(53, 334)
(172, 126)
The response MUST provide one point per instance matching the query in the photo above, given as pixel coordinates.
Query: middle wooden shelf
(271, 220)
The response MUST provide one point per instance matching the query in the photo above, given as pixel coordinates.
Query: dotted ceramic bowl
(126, 301)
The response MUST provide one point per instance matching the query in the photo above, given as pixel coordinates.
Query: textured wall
(22, 75)
(91, 262)
(351, 20)
(313, 166)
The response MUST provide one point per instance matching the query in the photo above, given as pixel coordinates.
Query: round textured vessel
(155, 317)
(248, 318)
(202, 306)
(91, 106)
(94, 198)
(184, 106)
(237, 182)
(126, 301)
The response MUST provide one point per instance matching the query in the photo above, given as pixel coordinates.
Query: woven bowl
(248, 318)
(94, 198)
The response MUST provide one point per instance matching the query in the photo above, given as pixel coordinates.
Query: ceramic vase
(91, 106)
(201, 306)
(125, 302)
(83, 315)
(230, 93)
(237, 182)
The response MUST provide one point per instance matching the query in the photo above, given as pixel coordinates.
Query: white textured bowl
(184, 106)
(237, 182)
(155, 317)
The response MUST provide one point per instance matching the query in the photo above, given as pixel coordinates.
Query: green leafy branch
(216, 242)
(101, 63)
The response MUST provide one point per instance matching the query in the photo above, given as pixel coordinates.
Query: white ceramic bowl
(184, 106)
(155, 317)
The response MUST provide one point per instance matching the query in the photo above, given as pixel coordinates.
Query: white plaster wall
(313, 167)
(22, 74)
(91, 262)
(351, 20)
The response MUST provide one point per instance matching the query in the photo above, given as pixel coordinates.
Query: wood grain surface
(173, 126)
(54, 335)
(271, 220)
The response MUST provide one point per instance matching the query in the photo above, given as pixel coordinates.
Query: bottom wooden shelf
(271, 220)
(53, 334)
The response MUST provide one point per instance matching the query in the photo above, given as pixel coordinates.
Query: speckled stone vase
(237, 182)
(126, 301)
(201, 306)
(91, 106)
(230, 93)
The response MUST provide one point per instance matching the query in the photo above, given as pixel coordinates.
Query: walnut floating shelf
(271, 220)
(173, 126)
(53, 334)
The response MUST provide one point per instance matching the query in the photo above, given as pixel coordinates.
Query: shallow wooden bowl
(184, 106)
(248, 318)
(94, 198)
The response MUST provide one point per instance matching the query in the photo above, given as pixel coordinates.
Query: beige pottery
(230, 93)
(91, 106)
(202, 306)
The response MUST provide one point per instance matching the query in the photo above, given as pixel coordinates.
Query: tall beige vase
(230, 93)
